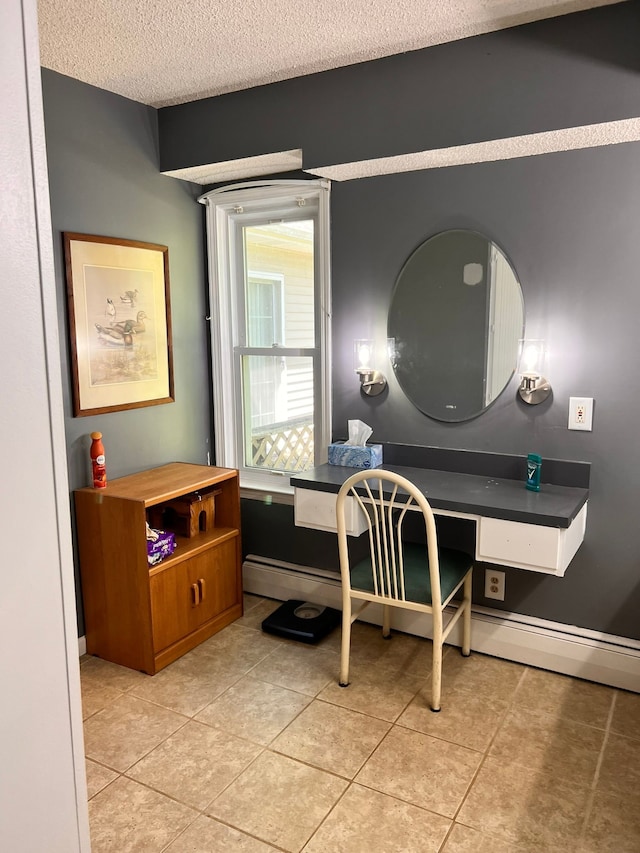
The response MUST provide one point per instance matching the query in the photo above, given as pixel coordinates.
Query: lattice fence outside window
(283, 447)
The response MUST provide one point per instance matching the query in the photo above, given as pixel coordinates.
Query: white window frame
(224, 207)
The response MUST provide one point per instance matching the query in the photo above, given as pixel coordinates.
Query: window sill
(277, 491)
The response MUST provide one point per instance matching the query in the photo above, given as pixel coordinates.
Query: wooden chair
(420, 577)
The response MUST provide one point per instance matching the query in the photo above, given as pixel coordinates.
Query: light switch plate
(581, 413)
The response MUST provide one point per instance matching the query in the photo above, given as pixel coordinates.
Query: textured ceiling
(162, 52)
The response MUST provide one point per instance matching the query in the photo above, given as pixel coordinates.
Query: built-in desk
(538, 531)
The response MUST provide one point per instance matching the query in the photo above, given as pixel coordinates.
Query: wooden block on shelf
(187, 515)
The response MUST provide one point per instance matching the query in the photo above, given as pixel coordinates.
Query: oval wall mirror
(456, 318)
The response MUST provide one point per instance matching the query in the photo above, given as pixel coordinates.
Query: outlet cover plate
(581, 413)
(494, 584)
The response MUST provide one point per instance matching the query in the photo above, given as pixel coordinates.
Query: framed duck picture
(119, 323)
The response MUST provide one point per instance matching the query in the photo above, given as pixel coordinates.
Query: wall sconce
(534, 388)
(372, 382)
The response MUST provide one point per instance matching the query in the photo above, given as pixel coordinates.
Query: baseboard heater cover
(564, 649)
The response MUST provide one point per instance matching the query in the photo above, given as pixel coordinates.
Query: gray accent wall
(102, 153)
(569, 223)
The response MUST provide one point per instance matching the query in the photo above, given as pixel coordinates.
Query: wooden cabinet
(142, 616)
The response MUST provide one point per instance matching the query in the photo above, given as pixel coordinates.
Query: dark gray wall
(570, 224)
(102, 155)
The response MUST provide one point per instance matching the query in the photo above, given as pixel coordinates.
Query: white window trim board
(221, 206)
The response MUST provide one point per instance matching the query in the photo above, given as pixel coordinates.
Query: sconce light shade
(372, 382)
(363, 350)
(534, 388)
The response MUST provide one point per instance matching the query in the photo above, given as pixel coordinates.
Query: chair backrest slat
(385, 516)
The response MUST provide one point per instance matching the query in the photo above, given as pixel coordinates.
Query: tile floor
(248, 744)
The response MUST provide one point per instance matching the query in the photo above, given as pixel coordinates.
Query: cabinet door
(187, 595)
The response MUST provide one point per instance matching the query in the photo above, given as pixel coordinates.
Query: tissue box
(353, 456)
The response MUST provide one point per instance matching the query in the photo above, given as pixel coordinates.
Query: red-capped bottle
(98, 462)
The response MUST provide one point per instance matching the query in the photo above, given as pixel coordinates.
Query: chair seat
(454, 565)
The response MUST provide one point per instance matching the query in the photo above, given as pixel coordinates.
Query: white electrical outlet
(581, 413)
(494, 584)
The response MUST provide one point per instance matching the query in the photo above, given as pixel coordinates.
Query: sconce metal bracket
(534, 390)
(372, 382)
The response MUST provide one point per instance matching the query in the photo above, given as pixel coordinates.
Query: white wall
(42, 781)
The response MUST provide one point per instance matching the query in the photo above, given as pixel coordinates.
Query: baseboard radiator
(579, 652)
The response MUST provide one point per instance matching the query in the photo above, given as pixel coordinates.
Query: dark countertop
(552, 506)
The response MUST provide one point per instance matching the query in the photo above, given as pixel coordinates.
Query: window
(266, 326)
(269, 285)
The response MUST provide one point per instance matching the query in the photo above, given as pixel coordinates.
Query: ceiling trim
(529, 145)
(244, 167)
(509, 148)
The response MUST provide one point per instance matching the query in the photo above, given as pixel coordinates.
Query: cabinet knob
(195, 591)
(202, 587)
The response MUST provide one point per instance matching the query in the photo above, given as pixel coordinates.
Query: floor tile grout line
(245, 832)
(223, 823)
(353, 782)
(164, 794)
(159, 704)
(268, 683)
(310, 696)
(202, 811)
(326, 817)
(325, 701)
(179, 835)
(290, 758)
(301, 711)
(306, 763)
(186, 718)
(102, 764)
(198, 814)
(364, 713)
(486, 753)
(398, 799)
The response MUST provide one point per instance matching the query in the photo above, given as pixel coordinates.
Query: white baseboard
(82, 646)
(565, 649)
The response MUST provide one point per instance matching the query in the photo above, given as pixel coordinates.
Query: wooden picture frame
(119, 323)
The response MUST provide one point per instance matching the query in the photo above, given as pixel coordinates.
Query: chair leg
(436, 675)
(386, 621)
(346, 644)
(466, 617)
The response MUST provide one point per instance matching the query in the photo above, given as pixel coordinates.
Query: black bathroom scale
(302, 620)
